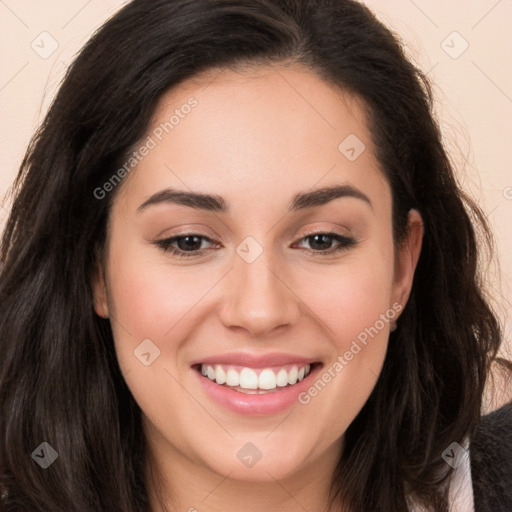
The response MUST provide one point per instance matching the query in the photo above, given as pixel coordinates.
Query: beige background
(473, 89)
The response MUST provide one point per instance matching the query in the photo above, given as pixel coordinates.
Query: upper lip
(255, 360)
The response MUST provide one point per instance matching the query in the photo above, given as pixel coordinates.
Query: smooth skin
(257, 137)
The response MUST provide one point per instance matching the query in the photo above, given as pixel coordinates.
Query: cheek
(351, 297)
(353, 303)
(150, 300)
(148, 295)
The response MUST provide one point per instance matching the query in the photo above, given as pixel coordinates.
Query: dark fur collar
(491, 462)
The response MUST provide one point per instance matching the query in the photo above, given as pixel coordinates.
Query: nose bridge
(258, 298)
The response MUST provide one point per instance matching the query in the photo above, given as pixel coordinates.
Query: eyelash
(344, 244)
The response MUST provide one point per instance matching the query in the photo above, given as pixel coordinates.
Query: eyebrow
(216, 203)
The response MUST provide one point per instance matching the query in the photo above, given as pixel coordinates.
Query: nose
(259, 299)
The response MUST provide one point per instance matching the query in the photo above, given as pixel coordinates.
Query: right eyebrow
(208, 202)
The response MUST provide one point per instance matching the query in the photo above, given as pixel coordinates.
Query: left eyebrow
(215, 203)
(321, 196)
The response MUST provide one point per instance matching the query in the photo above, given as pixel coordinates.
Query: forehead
(256, 131)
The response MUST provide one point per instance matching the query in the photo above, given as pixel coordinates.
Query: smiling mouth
(256, 380)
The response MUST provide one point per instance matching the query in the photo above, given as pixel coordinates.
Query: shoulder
(491, 461)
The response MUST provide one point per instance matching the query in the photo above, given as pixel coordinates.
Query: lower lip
(254, 404)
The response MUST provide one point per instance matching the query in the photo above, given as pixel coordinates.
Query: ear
(407, 258)
(100, 293)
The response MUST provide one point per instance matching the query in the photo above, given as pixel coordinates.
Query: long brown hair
(59, 378)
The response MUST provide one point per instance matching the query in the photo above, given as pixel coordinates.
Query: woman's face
(284, 283)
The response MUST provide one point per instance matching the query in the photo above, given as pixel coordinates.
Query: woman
(239, 274)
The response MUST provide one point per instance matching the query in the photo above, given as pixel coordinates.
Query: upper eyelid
(190, 230)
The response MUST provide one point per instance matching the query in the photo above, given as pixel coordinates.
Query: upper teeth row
(247, 378)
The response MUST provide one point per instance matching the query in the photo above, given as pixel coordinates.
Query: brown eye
(322, 243)
(185, 245)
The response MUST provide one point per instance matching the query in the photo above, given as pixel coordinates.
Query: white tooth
(211, 373)
(267, 379)
(292, 375)
(248, 379)
(220, 375)
(232, 378)
(252, 391)
(204, 371)
(308, 369)
(300, 376)
(282, 378)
